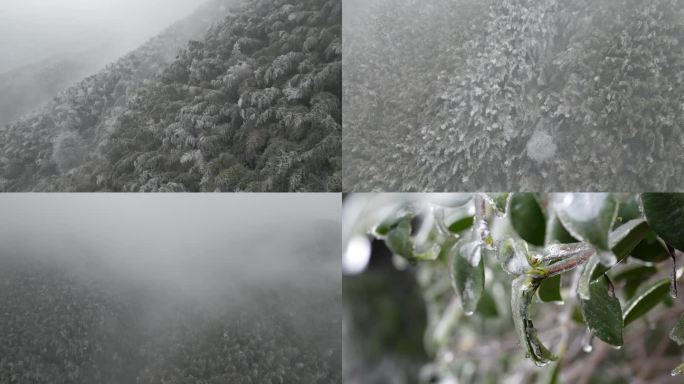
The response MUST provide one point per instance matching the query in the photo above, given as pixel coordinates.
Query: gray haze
(189, 246)
(34, 30)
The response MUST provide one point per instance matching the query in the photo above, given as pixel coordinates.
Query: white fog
(34, 30)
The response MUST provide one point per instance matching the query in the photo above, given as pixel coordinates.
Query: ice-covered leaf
(665, 214)
(527, 218)
(645, 300)
(390, 221)
(629, 209)
(513, 256)
(602, 311)
(550, 289)
(498, 201)
(450, 200)
(627, 236)
(588, 274)
(423, 246)
(399, 239)
(467, 273)
(677, 333)
(588, 217)
(523, 290)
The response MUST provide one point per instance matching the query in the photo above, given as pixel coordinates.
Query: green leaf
(523, 290)
(602, 312)
(627, 236)
(550, 289)
(588, 217)
(462, 224)
(527, 218)
(645, 300)
(650, 249)
(399, 239)
(467, 274)
(677, 333)
(665, 214)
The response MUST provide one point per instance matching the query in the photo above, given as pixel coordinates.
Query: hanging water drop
(587, 341)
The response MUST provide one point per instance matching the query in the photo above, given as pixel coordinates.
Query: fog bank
(34, 30)
(191, 246)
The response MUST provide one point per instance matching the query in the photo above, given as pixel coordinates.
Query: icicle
(673, 282)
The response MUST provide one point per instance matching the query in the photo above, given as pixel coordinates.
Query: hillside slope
(29, 88)
(255, 105)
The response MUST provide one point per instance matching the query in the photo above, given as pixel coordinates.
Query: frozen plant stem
(562, 258)
(482, 227)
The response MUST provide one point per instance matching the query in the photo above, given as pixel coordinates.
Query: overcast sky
(32, 30)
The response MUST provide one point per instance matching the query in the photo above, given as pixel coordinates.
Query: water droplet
(617, 347)
(357, 255)
(541, 363)
(468, 313)
(587, 341)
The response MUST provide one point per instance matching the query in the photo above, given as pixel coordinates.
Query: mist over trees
(177, 289)
(254, 105)
(48, 46)
(533, 95)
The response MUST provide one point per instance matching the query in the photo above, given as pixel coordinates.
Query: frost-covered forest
(252, 105)
(198, 299)
(513, 94)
